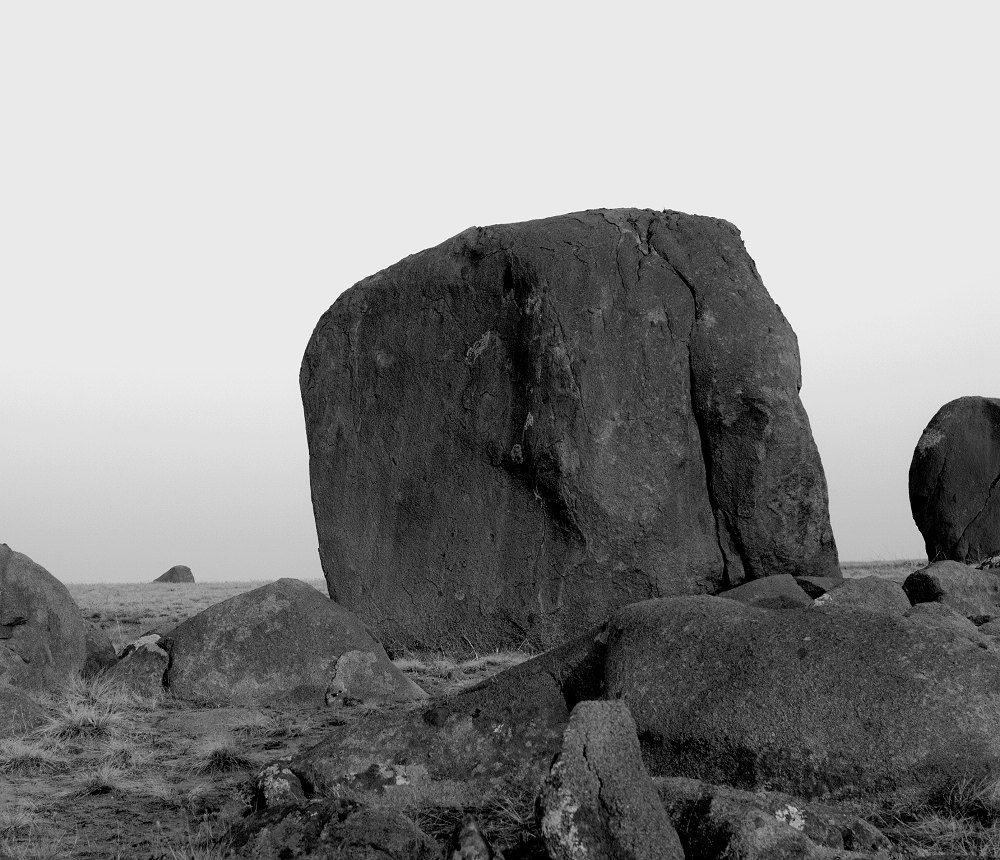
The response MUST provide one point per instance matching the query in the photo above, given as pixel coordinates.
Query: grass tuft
(29, 755)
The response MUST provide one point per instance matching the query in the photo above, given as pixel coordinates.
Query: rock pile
(520, 430)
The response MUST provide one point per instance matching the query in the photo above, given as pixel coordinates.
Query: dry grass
(896, 570)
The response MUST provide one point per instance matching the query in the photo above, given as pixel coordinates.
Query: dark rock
(19, 713)
(816, 586)
(468, 842)
(143, 666)
(520, 430)
(868, 594)
(282, 640)
(966, 589)
(332, 828)
(598, 799)
(723, 822)
(824, 699)
(494, 740)
(953, 479)
(100, 652)
(772, 592)
(43, 638)
(178, 573)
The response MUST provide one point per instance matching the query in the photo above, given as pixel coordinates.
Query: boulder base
(522, 429)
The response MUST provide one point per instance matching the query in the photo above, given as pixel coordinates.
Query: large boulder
(43, 638)
(282, 640)
(808, 701)
(974, 593)
(953, 476)
(178, 573)
(516, 432)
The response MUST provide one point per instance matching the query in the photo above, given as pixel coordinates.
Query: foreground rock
(722, 822)
(972, 592)
(772, 592)
(280, 641)
(554, 419)
(867, 594)
(333, 828)
(178, 573)
(493, 741)
(598, 799)
(143, 666)
(43, 638)
(100, 652)
(19, 713)
(953, 478)
(809, 701)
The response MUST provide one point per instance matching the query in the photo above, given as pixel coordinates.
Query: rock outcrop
(518, 431)
(807, 701)
(953, 481)
(43, 638)
(282, 640)
(972, 592)
(178, 573)
(598, 800)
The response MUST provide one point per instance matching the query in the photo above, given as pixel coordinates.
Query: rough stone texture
(333, 828)
(19, 713)
(278, 641)
(816, 586)
(953, 481)
(868, 594)
(772, 592)
(598, 800)
(966, 589)
(43, 638)
(144, 667)
(178, 573)
(494, 740)
(805, 701)
(100, 652)
(365, 676)
(520, 430)
(468, 842)
(722, 822)
(945, 617)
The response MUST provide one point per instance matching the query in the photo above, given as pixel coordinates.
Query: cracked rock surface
(520, 430)
(598, 800)
(954, 477)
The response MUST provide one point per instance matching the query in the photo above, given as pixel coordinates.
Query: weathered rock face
(43, 638)
(178, 573)
(519, 430)
(283, 639)
(972, 592)
(953, 478)
(806, 700)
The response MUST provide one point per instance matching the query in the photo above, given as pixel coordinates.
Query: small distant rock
(178, 573)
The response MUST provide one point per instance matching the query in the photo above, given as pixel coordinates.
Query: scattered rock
(553, 419)
(816, 586)
(598, 799)
(332, 828)
(276, 785)
(953, 475)
(721, 822)
(19, 713)
(811, 701)
(772, 592)
(143, 666)
(100, 652)
(43, 638)
(365, 676)
(178, 573)
(868, 594)
(279, 641)
(968, 590)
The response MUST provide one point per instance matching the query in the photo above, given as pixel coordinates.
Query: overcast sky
(186, 187)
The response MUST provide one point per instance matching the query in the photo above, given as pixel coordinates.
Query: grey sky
(185, 188)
